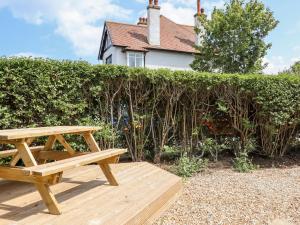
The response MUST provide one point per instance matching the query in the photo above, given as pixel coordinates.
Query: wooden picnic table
(43, 174)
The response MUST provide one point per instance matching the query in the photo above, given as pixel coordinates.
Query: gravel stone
(225, 197)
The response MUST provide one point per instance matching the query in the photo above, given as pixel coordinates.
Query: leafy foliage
(151, 109)
(188, 166)
(295, 69)
(243, 164)
(212, 147)
(234, 38)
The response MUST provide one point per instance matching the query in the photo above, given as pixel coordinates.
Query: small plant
(188, 166)
(171, 153)
(212, 147)
(243, 164)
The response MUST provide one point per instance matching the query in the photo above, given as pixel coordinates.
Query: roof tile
(174, 37)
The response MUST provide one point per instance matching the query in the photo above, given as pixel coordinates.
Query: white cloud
(183, 11)
(181, 15)
(77, 21)
(278, 64)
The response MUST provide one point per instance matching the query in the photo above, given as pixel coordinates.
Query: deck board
(87, 199)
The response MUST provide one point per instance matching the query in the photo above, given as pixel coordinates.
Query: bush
(212, 147)
(188, 166)
(149, 109)
(243, 164)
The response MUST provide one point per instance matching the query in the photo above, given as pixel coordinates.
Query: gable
(106, 42)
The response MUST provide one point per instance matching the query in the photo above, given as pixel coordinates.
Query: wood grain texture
(13, 134)
(56, 155)
(19, 174)
(91, 142)
(26, 154)
(12, 152)
(64, 143)
(70, 163)
(85, 198)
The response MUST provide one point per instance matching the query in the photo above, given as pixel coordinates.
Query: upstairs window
(108, 60)
(107, 42)
(135, 59)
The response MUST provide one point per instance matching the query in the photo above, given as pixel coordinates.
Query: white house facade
(155, 42)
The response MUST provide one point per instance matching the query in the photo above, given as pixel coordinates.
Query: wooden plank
(43, 189)
(104, 165)
(19, 174)
(64, 143)
(56, 155)
(17, 156)
(83, 200)
(50, 143)
(26, 154)
(15, 160)
(12, 152)
(48, 198)
(48, 147)
(108, 174)
(13, 134)
(91, 142)
(30, 140)
(66, 164)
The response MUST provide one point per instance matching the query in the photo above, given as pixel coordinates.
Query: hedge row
(149, 109)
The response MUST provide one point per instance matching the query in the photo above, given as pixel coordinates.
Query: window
(135, 59)
(108, 60)
(107, 43)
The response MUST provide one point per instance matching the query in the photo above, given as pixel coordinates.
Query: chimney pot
(198, 7)
(142, 21)
(156, 2)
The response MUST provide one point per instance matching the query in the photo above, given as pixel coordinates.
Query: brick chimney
(153, 22)
(198, 25)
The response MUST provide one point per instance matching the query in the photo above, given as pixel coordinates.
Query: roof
(174, 37)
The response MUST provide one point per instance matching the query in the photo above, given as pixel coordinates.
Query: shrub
(243, 164)
(149, 109)
(187, 166)
(212, 147)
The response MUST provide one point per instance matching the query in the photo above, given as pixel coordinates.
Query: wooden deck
(86, 198)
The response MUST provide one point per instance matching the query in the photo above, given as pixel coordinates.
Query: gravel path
(222, 197)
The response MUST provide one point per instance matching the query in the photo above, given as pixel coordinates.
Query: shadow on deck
(86, 198)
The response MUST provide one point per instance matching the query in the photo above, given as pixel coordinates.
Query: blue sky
(71, 29)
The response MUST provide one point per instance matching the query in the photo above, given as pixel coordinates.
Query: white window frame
(137, 55)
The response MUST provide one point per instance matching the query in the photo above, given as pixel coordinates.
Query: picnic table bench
(43, 174)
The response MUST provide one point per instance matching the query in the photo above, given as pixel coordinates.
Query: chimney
(153, 22)
(142, 21)
(198, 25)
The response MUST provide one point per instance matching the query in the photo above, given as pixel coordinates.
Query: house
(154, 42)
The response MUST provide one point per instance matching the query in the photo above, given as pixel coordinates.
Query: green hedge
(149, 109)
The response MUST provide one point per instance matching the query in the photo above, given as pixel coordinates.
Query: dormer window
(135, 59)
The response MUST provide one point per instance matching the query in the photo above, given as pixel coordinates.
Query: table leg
(108, 174)
(66, 145)
(105, 167)
(44, 190)
(48, 198)
(17, 156)
(48, 146)
(26, 154)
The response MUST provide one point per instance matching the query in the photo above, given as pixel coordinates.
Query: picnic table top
(12, 134)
